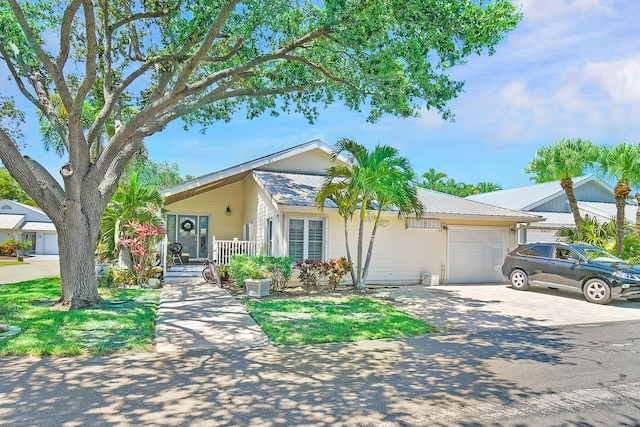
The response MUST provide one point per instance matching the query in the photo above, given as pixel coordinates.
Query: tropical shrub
(140, 238)
(11, 246)
(242, 267)
(310, 272)
(603, 235)
(336, 269)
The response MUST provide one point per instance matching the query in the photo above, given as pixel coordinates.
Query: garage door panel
(476, 254)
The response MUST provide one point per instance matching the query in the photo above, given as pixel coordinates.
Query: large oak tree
(204, 61)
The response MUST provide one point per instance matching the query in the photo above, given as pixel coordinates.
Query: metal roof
(555, 220)
(607, 210)
(38, 226)
(294, 189)
(528, 197)
(10, 221)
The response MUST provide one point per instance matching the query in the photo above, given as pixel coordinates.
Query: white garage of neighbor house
(24, 222)
(265, 206)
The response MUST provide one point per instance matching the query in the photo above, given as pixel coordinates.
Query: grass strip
(320, 320)
(124, 323)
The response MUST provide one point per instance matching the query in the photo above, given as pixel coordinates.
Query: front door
(188, 234)
(191, 231)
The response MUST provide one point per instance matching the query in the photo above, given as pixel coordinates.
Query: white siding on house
(258, 208)
(400, 256)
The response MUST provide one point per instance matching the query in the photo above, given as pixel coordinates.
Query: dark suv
(599, 275)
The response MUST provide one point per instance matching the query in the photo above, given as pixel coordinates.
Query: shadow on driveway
(424, 380)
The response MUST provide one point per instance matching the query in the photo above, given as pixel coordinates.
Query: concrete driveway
(490, 306)
(34, 267)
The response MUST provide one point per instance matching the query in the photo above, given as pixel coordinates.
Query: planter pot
(257, 287)
(101, 269)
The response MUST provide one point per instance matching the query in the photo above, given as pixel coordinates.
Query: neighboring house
(26, 222)
(265, 206)
(595, 198)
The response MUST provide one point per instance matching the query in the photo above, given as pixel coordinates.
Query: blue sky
(571, 69)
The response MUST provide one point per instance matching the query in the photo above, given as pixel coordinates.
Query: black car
(599, 275)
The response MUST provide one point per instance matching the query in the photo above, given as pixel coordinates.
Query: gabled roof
(529, 197)
(295, 189)
(236, 173)
(21, 205)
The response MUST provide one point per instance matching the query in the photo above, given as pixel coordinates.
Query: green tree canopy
(204, 61)
(11, 190)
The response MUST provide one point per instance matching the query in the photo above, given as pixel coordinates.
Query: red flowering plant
(140, 237)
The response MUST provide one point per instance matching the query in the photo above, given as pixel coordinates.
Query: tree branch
(65, 33)
(55, 73)
(212, 34)
(35, 179)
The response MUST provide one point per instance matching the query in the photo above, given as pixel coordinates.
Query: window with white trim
(306, 238)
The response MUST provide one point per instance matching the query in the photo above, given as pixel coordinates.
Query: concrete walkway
(195, 315)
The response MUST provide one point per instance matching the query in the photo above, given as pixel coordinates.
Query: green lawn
(124, 323)
(2, 263)
(305, 321)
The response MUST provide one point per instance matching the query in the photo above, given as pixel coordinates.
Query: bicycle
(210, 272)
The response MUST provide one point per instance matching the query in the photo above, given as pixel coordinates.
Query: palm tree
(621, 162)
(379, 180)
(337, 190)
(486, 187)
(130, 202)
(432, 178)
(563, 161)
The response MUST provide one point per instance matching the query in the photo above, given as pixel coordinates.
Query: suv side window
(537, 251)
(565, 253)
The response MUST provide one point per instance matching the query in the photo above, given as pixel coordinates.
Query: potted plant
(251, 272)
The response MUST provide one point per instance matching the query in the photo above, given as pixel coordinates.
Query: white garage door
(50, 244)
(476, 254)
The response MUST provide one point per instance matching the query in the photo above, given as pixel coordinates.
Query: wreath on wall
(187, 225)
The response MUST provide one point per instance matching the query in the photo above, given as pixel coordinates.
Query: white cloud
(618, 79)
(545, 10)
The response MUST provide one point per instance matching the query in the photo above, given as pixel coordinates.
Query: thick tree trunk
(77, 238)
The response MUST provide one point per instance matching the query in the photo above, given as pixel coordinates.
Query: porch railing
(223, 249)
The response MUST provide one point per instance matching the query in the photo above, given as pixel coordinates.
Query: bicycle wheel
(211, 275)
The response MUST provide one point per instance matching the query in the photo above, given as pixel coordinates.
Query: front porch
(176, 265)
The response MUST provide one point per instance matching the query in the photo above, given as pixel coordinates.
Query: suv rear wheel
(597, 291)
(519, 280)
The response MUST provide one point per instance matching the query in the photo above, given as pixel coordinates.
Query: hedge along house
(266, 207)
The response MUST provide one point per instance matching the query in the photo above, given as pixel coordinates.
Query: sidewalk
(195, 315)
